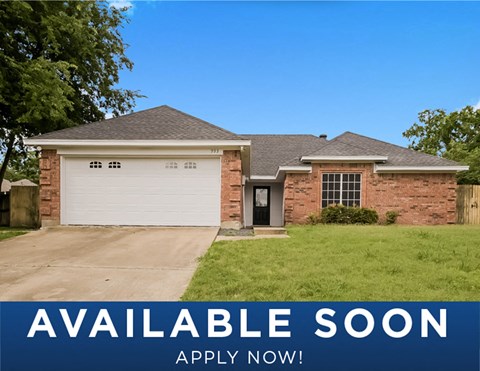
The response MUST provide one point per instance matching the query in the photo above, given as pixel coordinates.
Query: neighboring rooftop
(159, 123)
(24, 183)
(5, 186)
(271, 151)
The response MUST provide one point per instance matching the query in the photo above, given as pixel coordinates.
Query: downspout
(243, 202)
(283, 201)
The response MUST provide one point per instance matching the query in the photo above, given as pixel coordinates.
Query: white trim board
(418, 169)
(283, 169)
(344, 158)
(55, 143)
(142, 152)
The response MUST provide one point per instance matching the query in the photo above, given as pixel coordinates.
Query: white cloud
(119, 4)
(108, 115)
(477, 106)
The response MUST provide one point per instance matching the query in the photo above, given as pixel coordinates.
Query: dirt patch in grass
(236, 232)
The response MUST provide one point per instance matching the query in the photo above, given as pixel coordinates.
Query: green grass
(344, 263)
(6, 232)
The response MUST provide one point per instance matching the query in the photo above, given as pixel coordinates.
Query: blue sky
(310, 67)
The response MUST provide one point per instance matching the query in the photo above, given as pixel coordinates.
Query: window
(114, 165)
(95, 165)
(171, 165)
(341, 189)
(190, 165)
(261, 197)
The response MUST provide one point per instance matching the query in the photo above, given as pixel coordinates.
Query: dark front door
(261, 205)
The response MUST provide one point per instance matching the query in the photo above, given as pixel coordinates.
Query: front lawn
(6, 232)
(344, 263)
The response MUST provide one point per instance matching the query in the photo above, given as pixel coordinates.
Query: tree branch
(8, 153)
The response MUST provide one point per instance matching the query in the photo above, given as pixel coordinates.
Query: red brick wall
(231, 201)
(50, 187)
(301, 197)
(419, 198)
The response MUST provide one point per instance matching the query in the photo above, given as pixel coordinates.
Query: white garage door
(141, 191)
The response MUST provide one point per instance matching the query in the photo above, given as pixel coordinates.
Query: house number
(214, 151)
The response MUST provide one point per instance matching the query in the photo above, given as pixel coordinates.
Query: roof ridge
(357, 146)
(105, 119)
(282, 135)
(143, 111)
(388, 143)
(199, 119)
(336, 139)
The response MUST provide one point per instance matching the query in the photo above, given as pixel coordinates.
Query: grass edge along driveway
(344, 263)
(7, 232)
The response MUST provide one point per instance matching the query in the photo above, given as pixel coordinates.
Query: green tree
(455, 136)
(23, 166)
(59, 67)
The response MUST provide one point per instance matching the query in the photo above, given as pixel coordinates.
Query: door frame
(269, 191)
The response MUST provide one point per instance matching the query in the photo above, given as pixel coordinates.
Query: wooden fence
(24, 207)
(468, 204)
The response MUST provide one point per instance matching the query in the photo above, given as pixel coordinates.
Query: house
(164, 167)
(5, 186)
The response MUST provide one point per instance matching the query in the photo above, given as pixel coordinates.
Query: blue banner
(242, 336)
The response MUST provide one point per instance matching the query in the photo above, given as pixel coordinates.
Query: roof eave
(419, 169)
(282, 170)
(354, 159)
(55, 143)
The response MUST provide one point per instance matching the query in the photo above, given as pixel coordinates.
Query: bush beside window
(391, 217)
(339, 214)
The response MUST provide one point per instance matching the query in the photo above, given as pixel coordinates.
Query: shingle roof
(397, 156)
(336, 147)
(160, 123)
(271, 151)
(268, 152)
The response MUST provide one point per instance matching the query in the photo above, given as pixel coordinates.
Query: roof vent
(323, 136)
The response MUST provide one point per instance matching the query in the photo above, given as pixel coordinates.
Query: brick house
(164, 167)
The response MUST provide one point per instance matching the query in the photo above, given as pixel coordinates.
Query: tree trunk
(8, 153)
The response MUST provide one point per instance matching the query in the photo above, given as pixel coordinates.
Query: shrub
(339, 214)
(391, 217)
(313, 218)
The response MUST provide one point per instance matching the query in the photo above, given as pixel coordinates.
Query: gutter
(380, 169)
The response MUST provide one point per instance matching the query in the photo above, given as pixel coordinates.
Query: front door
(261, 205)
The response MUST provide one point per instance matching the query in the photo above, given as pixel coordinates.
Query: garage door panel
(141, 192)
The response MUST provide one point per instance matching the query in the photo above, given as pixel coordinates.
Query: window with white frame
(95, 165)
(171, 165)
(190, 165)
(114, 165)
(342, 189)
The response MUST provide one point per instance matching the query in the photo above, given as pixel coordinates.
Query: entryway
(263, 204)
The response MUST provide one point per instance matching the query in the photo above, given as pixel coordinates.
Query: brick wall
(419, 198)
(301, 197)
(231, 198)
(50, 187)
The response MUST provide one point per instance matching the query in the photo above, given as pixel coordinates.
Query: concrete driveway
(101, 263)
